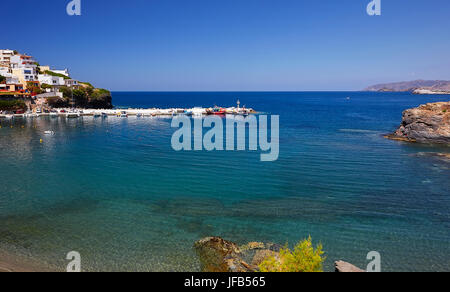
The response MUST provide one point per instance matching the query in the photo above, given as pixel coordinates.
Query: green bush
(46, 86)
(34, 89)
(2, 78)
(57, 102)
(304, 258)
(87, 83)
(12, 105)
(100, 93)
(88, 97)
(51, 73)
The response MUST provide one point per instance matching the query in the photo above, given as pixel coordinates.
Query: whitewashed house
(5, 56)
(64, 72)
(51, 80)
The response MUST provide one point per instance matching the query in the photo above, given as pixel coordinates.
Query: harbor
(130, 112)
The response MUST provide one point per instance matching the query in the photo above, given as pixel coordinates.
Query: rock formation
(429, 123)
(219, 255)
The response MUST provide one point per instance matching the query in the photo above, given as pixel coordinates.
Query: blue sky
(211, 45)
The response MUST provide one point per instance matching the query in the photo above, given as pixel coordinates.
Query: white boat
(72, 115)
(49, 133)
(123, 114)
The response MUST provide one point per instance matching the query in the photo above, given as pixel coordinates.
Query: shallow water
(115, 191)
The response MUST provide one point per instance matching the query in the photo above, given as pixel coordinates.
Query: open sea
(114, 189)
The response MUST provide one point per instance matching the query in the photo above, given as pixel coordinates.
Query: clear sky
(211, 45)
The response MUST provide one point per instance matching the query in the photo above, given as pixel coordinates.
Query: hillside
(437, 86)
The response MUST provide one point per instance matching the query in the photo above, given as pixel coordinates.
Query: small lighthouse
(238, 104)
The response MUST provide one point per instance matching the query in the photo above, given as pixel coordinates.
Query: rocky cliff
(429, 123)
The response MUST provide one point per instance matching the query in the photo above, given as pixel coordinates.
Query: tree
(57, 102)
(31, 86)
(80, 97)
(2, 79)
(304, 258)
(12, 105)
(46, 86)
(67, 92)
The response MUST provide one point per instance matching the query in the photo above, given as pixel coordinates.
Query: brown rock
(219, 255)
(344, 267)
(427, 123)
(262, 255)
(253, 246)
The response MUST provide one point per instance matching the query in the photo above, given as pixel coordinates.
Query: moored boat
(216, 111)
(72, 115)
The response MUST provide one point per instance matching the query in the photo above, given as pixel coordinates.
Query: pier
(153, 112)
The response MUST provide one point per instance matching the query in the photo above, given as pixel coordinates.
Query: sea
(116, 191)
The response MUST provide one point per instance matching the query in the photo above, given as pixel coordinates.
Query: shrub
(51, 73)
(12, 105)
(33, 88)
(2, 78)
(87, 84)
(80, 97)
(304, 258)
(57, 102)
(46, 86)
(67, 92)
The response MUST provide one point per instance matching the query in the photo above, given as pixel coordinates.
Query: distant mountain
(437, 86)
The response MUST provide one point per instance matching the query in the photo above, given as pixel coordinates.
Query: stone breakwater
(429, 123)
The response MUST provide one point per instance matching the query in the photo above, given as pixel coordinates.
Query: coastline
(16, 263)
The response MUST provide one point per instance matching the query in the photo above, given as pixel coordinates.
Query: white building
(71, 83)
(25, 74)
(5, 55)
(64, 72)
(51, 80)
(22, 61)
(4, 71)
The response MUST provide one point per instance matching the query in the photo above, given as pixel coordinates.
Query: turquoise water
(115, 191)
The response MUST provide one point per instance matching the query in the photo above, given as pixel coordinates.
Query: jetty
(130, 112)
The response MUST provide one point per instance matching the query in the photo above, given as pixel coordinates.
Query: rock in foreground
(219, 255)
(429, 123)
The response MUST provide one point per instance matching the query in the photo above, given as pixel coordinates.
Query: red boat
(216, 111)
